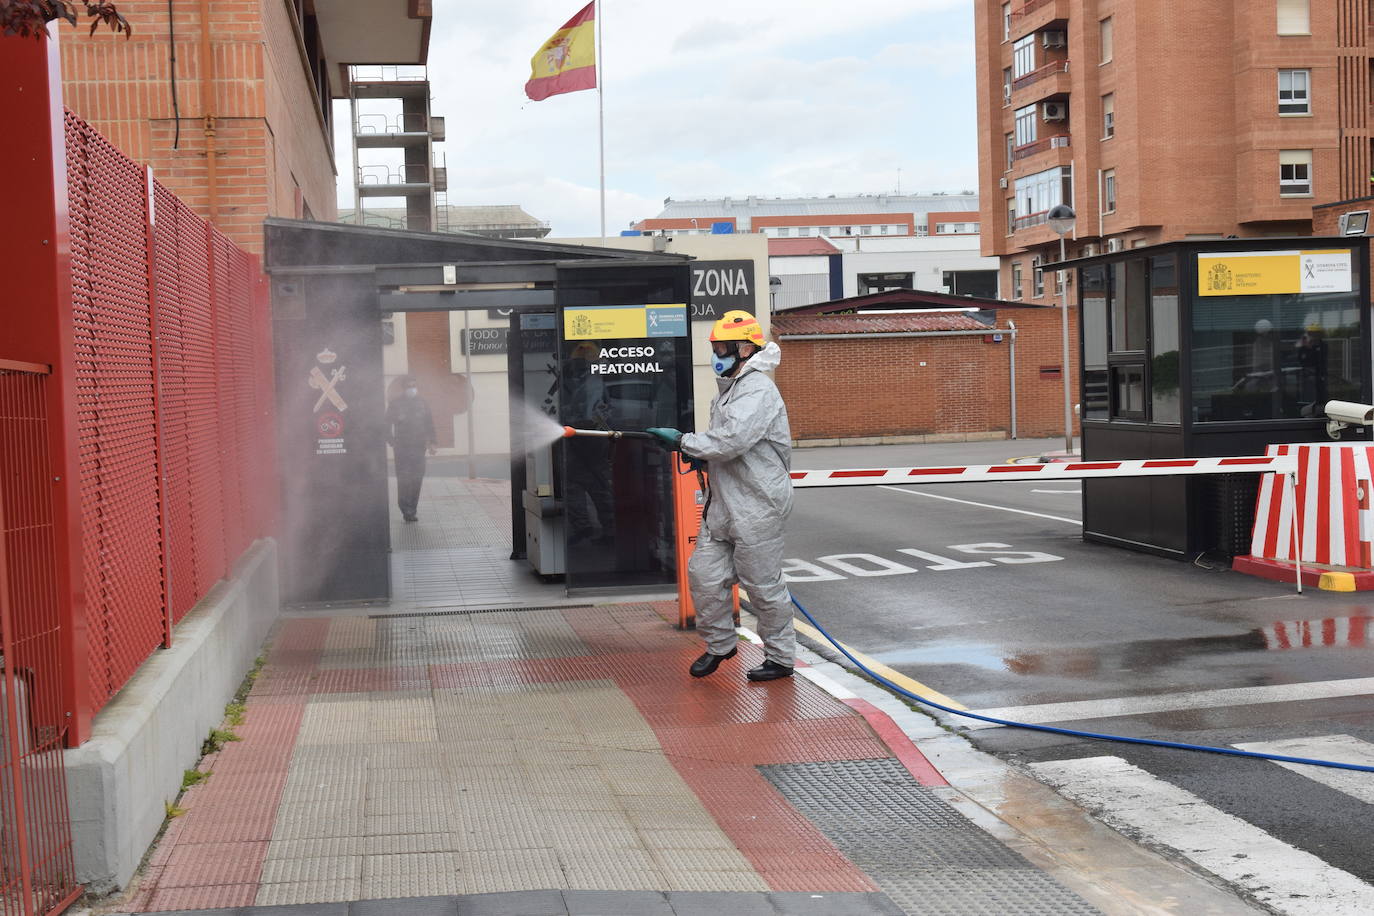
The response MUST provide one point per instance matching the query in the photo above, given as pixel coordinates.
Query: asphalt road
(987, 594)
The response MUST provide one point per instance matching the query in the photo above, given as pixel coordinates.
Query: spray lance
(569, 432)
(693, 464)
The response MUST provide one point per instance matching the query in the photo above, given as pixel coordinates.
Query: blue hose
(1153, 742)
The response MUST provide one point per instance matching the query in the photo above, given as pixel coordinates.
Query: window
(1109, 115)
(1295, 92)
(1164, 345)
(882, 230)
(1006, 86)
(1025, 125)
(803, 230)
(1036, 194)
(1011, 215)
(865, 230)
(1023, 56)
(1037, 278)
(877, 283)
(784, 232)
(1016, 279)
(1006, 22)
(1295, 17)
(1094, 317)
(1109, 191)
(1104, 32)
(1295, 173)
(1011, 145)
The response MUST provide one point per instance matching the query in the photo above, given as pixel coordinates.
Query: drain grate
(479, 610)
(923, 853)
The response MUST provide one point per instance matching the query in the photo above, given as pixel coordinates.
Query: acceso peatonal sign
(1262, 273)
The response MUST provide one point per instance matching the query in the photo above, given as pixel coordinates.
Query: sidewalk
(556, 758)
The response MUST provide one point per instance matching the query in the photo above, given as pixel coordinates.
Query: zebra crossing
(1278, 875)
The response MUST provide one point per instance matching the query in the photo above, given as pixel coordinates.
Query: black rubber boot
(708, 663)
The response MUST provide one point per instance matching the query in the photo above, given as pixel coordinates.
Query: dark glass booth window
(1271, 357)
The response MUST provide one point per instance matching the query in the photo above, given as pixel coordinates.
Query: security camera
(1347, 413)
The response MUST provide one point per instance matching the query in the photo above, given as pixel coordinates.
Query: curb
(1334, 580)
(892, 735)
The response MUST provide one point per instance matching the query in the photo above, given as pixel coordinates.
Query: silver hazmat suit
(748, 448)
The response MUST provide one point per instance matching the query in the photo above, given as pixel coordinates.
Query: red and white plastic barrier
(1331, 502)
(1276, 464)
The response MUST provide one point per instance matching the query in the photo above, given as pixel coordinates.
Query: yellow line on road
(896, 677)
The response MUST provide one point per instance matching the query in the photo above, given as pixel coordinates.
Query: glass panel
(1129, 312)
(1164, 364)
(1276, 356)
(1128, 391)
(1094, 307)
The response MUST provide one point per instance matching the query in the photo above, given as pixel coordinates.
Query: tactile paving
(913, 843)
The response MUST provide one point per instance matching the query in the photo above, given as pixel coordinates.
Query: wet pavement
(507, 750)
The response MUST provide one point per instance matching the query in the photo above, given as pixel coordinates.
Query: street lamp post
(1061, 219)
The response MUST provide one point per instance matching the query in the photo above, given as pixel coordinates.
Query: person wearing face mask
(410, 432)
(748, 450)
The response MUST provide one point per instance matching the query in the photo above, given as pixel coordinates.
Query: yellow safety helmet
(738, 325)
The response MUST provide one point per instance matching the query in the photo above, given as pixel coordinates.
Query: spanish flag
(567, 61)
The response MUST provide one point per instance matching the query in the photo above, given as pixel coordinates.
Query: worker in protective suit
(748, 450)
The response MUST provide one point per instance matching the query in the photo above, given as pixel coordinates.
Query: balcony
(1039, 73)
(1030, 219)
(1037, 14)
(1025, 151)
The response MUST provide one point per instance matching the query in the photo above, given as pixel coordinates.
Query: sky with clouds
(703, 99)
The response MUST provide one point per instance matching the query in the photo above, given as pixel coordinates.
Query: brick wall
(269, 140)
(852, 388)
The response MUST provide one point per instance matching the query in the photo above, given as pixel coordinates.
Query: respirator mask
(725, 363)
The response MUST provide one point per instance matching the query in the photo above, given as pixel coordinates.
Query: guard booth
(597, 337)
(1208, 349)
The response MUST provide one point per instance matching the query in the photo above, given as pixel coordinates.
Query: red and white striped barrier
(1331, 501)
(1072, 470)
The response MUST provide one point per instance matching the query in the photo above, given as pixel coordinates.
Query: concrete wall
(152, 730)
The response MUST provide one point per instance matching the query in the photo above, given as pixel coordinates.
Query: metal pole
(1064, 369)
(472, 393)
(601, 115)
(1012, 326)
(1291, 481)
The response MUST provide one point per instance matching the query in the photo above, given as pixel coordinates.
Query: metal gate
(36, 871)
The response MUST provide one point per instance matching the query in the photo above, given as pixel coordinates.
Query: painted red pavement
(715, 731)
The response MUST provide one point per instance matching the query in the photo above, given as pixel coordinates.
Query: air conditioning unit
(1002, 183)
(1090, 250)
(1055, 111)
(1115, 245)
(1053, 38)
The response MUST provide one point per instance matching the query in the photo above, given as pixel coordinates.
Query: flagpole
(601, 115)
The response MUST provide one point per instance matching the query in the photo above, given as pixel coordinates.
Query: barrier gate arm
(1066, 470)
(1286, 465)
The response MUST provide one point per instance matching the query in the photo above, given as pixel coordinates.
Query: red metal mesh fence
(174, 404)
(36, 872)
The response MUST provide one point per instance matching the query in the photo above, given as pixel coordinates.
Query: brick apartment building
(1163, 121)
(229, 103)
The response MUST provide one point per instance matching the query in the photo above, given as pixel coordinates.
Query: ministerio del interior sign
(622, 322)
(1262, 273)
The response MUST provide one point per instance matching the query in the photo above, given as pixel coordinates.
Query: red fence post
(163, 514)
(38, 323)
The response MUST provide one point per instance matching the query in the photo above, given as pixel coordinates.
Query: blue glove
(666, 436)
